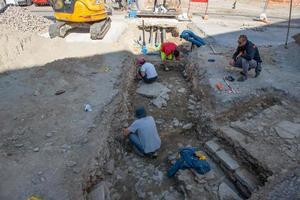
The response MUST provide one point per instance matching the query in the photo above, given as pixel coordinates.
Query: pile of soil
(297, 38)
(22, 19)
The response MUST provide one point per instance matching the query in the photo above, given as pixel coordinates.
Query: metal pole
(188, 12)
(151, 36)
(266, 6)
(155, 2)
(144, 42)
(163, 35)
(289, 24)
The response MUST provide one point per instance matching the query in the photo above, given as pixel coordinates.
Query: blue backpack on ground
(188, 160)
(192, 37)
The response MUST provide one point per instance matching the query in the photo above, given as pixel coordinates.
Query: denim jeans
(246, 65)
(135, 140)
(192, 37)
(147, 80)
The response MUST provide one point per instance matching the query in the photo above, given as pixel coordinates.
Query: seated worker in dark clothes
(246, 57)
(143, 134)
(146, 71)
(168, 51)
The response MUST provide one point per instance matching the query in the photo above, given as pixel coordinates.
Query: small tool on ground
(228, 85)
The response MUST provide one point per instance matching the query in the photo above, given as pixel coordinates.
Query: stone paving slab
(246, 179)
(227, 160)
(212, 146)
(152, 90)
(232, 135)
(288, 130)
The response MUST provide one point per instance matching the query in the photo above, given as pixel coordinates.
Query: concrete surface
(226, 24)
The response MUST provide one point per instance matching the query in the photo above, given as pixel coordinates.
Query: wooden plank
(145, 13)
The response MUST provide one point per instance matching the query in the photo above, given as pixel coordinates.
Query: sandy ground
(48, 139)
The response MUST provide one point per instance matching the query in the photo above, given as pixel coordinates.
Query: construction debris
(22, 19)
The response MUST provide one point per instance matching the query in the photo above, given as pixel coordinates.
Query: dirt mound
(23, 20)
(14, 43)
(297, 38)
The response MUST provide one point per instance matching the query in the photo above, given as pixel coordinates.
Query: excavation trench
(133, 177)
(181, 122)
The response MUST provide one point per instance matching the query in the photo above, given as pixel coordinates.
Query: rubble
(23, 20)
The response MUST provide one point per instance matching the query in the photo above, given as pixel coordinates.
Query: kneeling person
(168, 51)
(143, 133)
(246, 57)
(147, 71)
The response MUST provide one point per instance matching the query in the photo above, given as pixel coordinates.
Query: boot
(257, 73)
(242, 78)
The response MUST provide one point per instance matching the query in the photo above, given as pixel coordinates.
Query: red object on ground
(40, 2)
(199, 1)
(168, 48)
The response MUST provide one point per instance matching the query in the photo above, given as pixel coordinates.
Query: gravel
(23, 20)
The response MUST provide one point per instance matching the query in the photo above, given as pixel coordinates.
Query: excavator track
(54, 29)
(99, 29)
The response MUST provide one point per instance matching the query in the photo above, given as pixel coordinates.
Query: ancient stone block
(227, 160)
(246, 179)
(212, 146)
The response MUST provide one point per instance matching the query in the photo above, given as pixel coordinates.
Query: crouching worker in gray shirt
(143, 135)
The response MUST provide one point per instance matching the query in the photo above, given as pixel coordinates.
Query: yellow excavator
(82, 14)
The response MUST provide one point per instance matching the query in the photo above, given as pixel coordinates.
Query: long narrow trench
(145, 178)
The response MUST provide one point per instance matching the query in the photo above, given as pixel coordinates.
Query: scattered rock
(76, 170)
(19, 145)
(71, 163)
(59, 92)
(36, 149)
(49, 135)
(139, 188)
(145, 174)
(175, 122)
(36, 93)
(159, 121)
(172, 195)
(288, 130)
(158, 176)
(191, 101)
(110, 167)
(119, 177)
(189, 187)
(100, 192)
(182, 90)
(159, 102)
(191, 107)
(188, 126)
(22, 19)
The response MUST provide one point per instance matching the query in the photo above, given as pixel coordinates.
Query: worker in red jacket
(168, 51)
